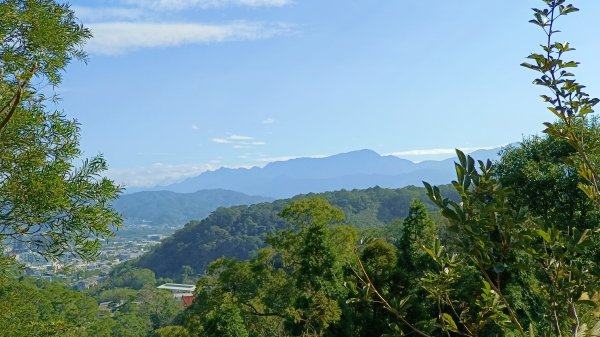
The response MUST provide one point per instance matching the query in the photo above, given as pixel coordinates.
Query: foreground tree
(46, 201)
(567, 98)
(294, 287)
(40, 308)
(518, 257)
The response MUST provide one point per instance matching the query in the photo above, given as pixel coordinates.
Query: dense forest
(312, 279)
(240, 231)
(509, 248)
(128, 304)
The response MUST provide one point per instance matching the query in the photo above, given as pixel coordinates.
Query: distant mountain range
(353, 170)
(167, 207)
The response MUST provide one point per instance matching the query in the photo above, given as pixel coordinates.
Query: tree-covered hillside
(239, 231)
(32, 308)
(165, 207)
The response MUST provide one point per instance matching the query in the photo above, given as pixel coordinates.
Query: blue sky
(176, 87)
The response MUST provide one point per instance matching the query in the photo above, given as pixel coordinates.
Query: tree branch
(14, 102)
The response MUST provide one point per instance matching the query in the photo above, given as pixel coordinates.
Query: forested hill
(166, 207)
(239, 231)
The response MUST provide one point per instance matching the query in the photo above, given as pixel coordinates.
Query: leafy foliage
(240, 231)
(514, 252)
(523, 233)
(294, 287)
(137, 306)
(567, 100)
(46, 201)
(40, 308)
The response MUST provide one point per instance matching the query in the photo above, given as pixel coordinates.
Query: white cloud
(120, 37)
(435, 153)
(423, 152)
(238, 137)
(268, 121)
(195, 127)
(157, 174)
(94, 14)
(266, 160)
(439, 151)
(239, 141)
(235, 139)
(177, 5)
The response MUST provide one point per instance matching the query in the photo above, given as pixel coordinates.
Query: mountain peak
(355, 169)
(364, 153)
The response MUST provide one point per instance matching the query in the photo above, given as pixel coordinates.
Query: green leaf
(353, 300)
(450, 214)
(449, 322)
(583, 237)
(545, 235)
(570, 64)
(461, 157)
(530, 66)
(486, 287)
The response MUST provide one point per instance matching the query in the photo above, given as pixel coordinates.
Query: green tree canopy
(47, 200)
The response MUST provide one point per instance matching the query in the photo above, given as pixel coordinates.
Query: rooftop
(178, 287)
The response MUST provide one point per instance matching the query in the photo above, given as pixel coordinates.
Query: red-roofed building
(188, 300)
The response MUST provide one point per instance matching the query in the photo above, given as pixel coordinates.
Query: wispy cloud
(238, 137)
(439, 151)
(232, 139)
(268, 121)
(95, 14)
(122, 26)
(120, 37)
(239, 141)
(423, 152)
(157, 174)
(265, 160)
(177, 5)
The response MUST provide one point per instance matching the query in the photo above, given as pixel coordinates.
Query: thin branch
(556, 322)
(14, 102)
(386, 305)
(449, 302)
(573, 313)
(440, 313)
(512, 315)
(255, 312)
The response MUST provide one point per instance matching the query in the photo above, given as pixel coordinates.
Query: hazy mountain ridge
(353, 170)
(168, 207)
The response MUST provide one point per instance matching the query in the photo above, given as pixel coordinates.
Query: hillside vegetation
(170, 208)
(240, 231)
